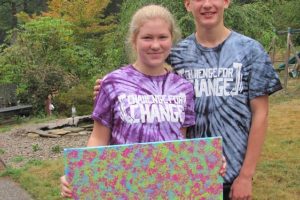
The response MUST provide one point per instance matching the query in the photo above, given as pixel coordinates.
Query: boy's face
(207, 13)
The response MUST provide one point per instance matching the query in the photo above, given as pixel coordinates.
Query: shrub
(81, 96)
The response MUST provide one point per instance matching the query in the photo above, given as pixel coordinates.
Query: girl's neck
(150, 71)
(212, 37)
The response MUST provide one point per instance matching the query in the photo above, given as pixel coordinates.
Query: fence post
(286, 74)
(273, 47)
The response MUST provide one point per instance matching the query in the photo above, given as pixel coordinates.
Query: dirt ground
(16, 148)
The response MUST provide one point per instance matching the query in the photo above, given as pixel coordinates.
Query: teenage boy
(233, 77)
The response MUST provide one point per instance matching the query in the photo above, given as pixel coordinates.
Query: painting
(181, 169)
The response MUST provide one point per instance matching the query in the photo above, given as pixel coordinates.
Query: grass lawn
(278, 172)
(277, 175)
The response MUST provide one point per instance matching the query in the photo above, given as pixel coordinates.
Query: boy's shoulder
(239, 38)
(190, 40)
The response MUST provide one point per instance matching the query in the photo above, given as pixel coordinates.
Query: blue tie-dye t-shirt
(141, 108)
(225, 79)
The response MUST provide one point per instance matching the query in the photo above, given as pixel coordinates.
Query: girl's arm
(100, 135)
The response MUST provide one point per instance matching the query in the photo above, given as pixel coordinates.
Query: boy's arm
(242, 185)
(96, 88)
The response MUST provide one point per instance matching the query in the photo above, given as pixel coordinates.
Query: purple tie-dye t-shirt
(140, 108)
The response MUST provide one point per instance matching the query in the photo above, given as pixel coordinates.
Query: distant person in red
(48, 105)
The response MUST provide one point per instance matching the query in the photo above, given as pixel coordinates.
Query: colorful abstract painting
(183, 169)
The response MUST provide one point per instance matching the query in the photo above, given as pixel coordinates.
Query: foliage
(80, 96)
(18, 159)
(57, 149)
(35, 147)
(286, 14)
(84, 14)
(111, 52)
(44, 59)
(2, 151)
(40, 82)
(87, 17)
(254, 20)
(9, 9)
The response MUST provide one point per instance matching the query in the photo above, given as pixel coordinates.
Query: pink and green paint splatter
(182, 169)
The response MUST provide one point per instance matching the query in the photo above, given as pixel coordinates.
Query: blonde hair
(145, 14)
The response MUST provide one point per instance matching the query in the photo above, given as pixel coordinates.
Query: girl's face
(207, 13)
(153, 43)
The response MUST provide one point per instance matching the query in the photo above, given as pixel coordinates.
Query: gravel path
(9, 190)
(16, 148)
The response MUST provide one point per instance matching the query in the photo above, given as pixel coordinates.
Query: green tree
(253, 19)
(87, 16)
(43, 55)
(39, 82)
(286, 14)
(90, 21)
(80, 96)
(9, 10)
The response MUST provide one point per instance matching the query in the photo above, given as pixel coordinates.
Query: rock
(73, 129)
(79, 119)
(33, 135)
(72, 134)
(58, 132)
(46, 134)
(84, 133)
(88, 126)
(58, 123)
(81, 133)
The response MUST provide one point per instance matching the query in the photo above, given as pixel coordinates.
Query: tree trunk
(25, 6)
(42, 4)
(13, 14)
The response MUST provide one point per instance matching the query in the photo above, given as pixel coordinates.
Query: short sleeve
(189, 107)
(263, 79)
(103, 108)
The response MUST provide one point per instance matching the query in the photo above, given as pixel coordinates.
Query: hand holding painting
(65, 188)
